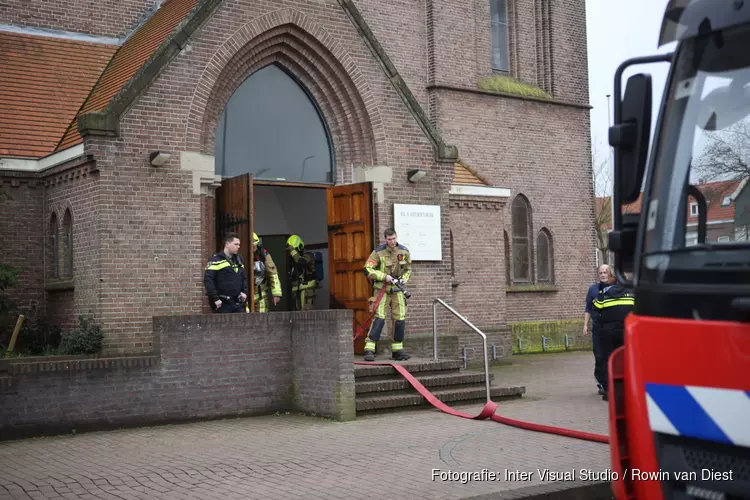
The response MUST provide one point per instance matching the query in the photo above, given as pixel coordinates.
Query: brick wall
(153, 230)
(404, 38)
(323, 375)
(22, 238)
(570, 51)
(208, 366)
(162, 217)
(478, 275)
(149, 231)
(110, 18)
(73, 188)
(539, 150)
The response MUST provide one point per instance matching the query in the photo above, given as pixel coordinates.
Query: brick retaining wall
(207, 366)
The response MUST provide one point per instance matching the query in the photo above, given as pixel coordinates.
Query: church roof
(120, 74)
(43, 83)
(129, 59)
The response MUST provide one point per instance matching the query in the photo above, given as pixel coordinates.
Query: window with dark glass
(272, 129)
(544, 261)
(68, 243)
(521, 248)
(500, 51)
(506, 245)
(54, 246)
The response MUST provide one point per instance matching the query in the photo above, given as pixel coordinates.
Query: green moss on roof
(509, 85)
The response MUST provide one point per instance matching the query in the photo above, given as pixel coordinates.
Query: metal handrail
(466, 321)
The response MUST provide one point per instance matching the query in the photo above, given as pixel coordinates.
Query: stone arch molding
(289, 38)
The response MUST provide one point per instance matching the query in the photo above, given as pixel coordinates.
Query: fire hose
(488, 412)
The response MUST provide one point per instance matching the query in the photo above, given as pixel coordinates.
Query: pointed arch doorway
(274, 153)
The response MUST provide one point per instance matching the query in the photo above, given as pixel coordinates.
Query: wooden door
(350, 239)
(234, 214)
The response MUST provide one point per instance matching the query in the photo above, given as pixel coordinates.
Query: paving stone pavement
(290, 456)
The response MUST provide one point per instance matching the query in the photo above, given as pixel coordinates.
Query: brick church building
(135, 132)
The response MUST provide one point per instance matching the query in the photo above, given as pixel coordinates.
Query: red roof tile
(714, 192)
(464, 175)
(130, 58)
(43, 82)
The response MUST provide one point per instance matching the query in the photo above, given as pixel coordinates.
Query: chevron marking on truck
(709, 413)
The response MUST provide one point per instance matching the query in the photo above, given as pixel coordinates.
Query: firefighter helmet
(296, 243)
(256, 240)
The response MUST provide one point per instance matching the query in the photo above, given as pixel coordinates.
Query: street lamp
(609, 125)
(303, 166)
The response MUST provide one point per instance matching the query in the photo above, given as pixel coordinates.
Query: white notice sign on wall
(418, 229)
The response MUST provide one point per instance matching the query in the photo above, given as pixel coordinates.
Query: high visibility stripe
(397, 346)
(215, 266)
(381, 308)
(614, 302)
(305, 286)
(276, 290)
(369, 345)
(401, 307)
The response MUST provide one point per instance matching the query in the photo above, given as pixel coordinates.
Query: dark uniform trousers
(614, 303)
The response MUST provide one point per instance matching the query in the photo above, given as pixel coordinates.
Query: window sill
(530, 288)
(60, 285)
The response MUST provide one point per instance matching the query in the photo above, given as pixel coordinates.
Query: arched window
(544, 257)
(54, 245)
(68, 243)
(521, 246)
(272, 128)
(453, 255)
(506, 245)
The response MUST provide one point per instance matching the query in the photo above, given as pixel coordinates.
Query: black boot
(399, 355)
(369, 356)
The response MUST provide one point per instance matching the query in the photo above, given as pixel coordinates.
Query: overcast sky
(618, 30)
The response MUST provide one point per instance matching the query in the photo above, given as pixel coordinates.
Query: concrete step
(431, 380)
(412, 365)
(464, 395)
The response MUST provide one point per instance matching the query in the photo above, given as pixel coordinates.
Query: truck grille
(694, 468)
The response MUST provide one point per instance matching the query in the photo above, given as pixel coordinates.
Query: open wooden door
(234, 214)
(350, 238)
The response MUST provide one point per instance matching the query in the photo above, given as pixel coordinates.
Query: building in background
(140, 131)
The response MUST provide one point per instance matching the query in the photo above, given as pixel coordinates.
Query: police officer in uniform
(303, 274)
(388, 265)
(224, 278)
(614, 303)
(266, 276)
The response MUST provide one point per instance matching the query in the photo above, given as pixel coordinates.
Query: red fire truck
(680, 385)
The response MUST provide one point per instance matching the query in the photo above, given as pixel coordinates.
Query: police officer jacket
(384, 261)
(225, 277)
(614, 302)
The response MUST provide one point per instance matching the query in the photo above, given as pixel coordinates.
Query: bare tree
(726, 155)
(602, 203)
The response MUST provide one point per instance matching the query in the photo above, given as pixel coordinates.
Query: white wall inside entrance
(295, 210)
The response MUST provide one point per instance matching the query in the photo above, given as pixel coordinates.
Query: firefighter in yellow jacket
(388, 265)
(266, 277)
(303, 274)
